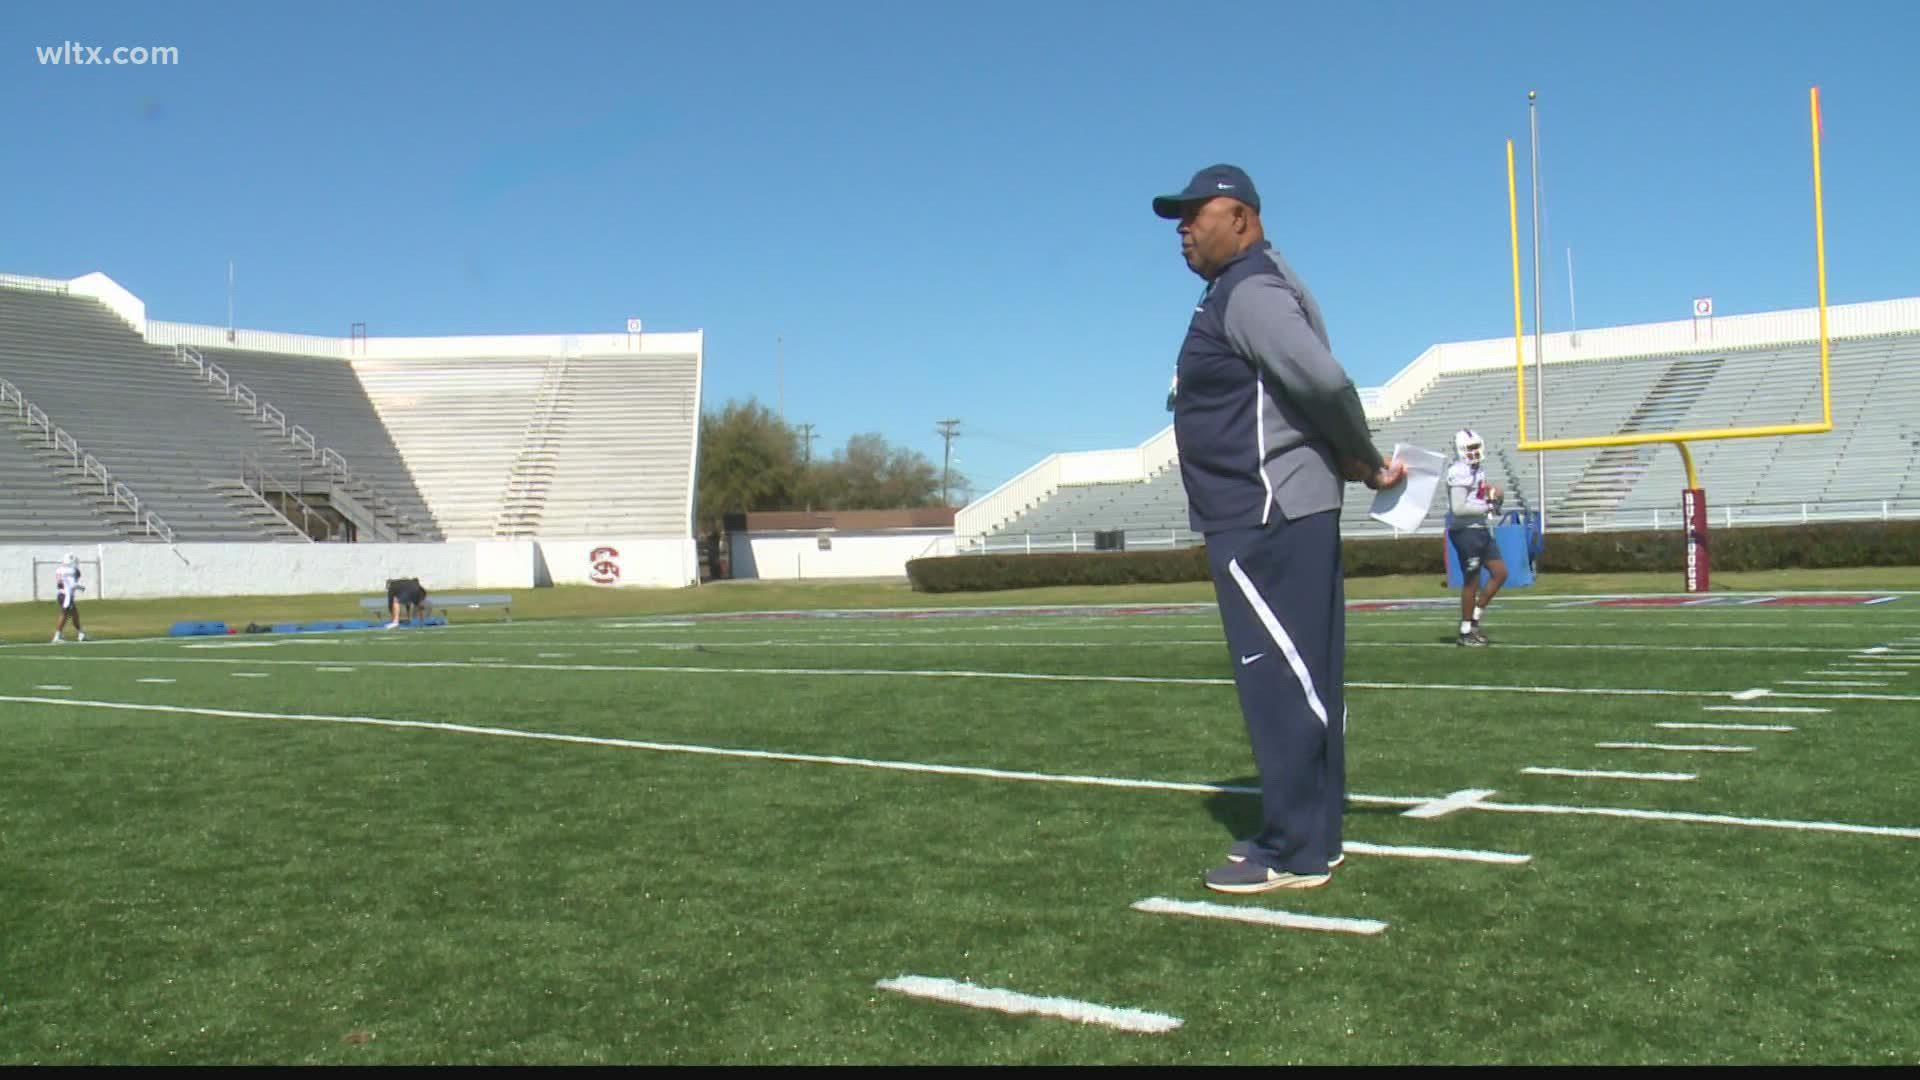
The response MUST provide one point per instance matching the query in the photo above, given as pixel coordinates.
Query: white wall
(134, 571)
(622, 561)
(797, 555)
(109, 292)
(131, 571)
(163, 332)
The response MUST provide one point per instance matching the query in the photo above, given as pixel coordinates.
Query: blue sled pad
(197, 629)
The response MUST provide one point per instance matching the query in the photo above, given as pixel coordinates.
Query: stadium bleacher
(171, 443)
(537, 446)
(34, 501)
(583, 437)
(423, 443)
(1867, 467)
(322, 395)
(618, 425)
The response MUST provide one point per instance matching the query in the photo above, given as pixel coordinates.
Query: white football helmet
(1467, 443)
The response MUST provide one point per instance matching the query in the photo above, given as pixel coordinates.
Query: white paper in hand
(1404, 505)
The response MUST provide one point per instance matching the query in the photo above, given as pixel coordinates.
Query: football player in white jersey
(66, 590)
(1473, 501)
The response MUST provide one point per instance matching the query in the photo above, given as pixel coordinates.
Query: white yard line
(1015, 1003)
(1605, 774)
(1703, 748)
(1723, 727)
(1259, 916)
(1901, 831)
(998, 774)
(1405, 851)
(628, 645)
(1801, 695)
(1013, 676)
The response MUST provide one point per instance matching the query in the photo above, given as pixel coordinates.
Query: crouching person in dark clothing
(409, 594)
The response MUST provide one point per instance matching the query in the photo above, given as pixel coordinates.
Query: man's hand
(1385, 476)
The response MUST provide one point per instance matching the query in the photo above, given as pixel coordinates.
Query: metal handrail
(91, 468)
(335, 464)
(308, 515)
(158, 525)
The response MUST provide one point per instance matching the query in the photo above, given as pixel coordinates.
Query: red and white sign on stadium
(1703, 307)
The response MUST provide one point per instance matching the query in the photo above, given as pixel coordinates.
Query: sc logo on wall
(603, 566)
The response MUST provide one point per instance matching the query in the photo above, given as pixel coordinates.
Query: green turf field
(649, 837)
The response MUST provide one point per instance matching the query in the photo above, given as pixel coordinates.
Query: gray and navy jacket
(1262, 412)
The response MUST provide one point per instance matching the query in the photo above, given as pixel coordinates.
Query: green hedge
(1746, 548)
(1784, 547)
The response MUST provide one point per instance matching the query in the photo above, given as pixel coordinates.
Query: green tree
(749, 460)
(870, 474)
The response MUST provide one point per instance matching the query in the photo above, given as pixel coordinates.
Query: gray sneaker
(1473, 639)
(1252, 877)
(1243, 848)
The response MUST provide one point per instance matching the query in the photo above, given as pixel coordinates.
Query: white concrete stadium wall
(789, 556)
(139, 571)
(117, 299)
(625, 561)
(128, 571)
(677, 343)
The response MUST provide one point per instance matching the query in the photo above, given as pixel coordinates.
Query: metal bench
(442, 602)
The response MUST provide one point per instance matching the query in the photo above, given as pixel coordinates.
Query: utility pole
(949, 431)
(806, 443)
(780, 373)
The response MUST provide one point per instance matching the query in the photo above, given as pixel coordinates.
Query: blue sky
(885, 215)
